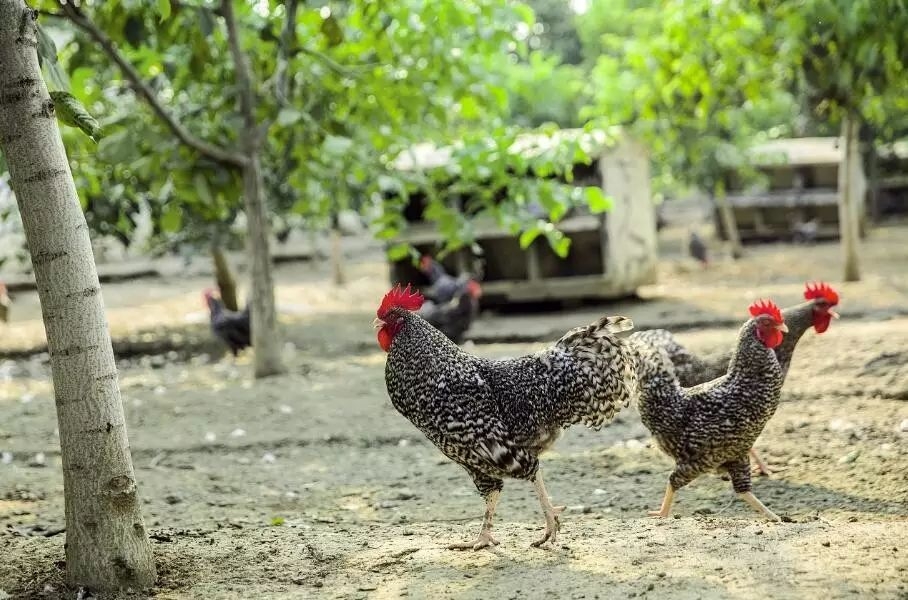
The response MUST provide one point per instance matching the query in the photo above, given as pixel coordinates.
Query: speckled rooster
(713, 426)
(816, 312)
(495, 417)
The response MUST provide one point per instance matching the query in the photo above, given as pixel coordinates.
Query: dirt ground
(311, 485)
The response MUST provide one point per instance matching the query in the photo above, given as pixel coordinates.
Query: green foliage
(71, 112)
(341, 93)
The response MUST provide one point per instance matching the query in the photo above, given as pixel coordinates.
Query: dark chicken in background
(697, 249)
(713, 426)
(442, 286)
(816, 312)
(454, 318)
(495, 417)
(231, 327)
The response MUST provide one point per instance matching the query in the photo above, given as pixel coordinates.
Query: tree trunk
(265, 339)
(849, 202)
(337, 257)
(107, 545)
(729, 223)
(223, 275)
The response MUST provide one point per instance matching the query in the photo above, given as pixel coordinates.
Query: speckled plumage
(693, 370)
(711, 426)
(495, 417)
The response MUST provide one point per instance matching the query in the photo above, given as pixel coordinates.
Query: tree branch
(243, 76)
(211, 151)
(282, 87)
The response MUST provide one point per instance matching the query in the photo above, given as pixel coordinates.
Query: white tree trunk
(107, 546)
(849, 201)
(729, 223)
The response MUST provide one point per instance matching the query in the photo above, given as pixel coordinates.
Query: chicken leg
(666, 507)
(485, 539)
(552, 523)
(759, 506)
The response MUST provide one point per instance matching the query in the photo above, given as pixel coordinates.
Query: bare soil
(311, 485)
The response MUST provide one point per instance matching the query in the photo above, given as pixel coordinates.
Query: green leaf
(337, 145)
(332, 31)
(201, 187)
(47, 49)
(288, 116)
(277, 521)
(560, 243)
(71, 112)
(528, 236)
(164, 9)
(596, 200)
(398, 252)
(172, 218)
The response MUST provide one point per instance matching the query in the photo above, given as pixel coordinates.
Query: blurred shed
(611, 254)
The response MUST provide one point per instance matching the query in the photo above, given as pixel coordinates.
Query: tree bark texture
(265, 339)
(729, 223)
(849, 202)
(107, 546)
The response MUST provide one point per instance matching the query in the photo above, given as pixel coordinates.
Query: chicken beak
(833, 314)
(782, 327)
(378, 324)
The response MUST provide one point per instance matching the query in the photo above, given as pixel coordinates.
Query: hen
(442, 286)
(454, 318)
(231, 327)
(495, 417)
(713, 426)
(816, 312)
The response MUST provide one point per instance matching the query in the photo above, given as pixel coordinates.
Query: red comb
(822, 290)
(399, 298)
(766, 307)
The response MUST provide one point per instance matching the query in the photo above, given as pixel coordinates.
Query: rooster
(816, 312)
(5, 303)
(442, 286)
(495, 417)
(713, 426)
(454, 318)
(231, 327)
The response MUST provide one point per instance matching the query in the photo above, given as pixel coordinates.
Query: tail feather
(604, 325)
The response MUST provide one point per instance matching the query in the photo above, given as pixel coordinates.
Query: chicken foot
(758, 506)
(762, 467)
(666, 507)
(552, 523)
(485, 539)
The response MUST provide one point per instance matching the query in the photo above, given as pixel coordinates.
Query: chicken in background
(231, 327)
(495, 417)
(5, 303)
(454, 318)
(805, 232)
(697, 249)
(442, 286)
(713, 426)
(816, 312)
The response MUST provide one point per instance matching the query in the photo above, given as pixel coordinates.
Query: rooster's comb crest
(766, 307)
(821, 290)
(400, 297)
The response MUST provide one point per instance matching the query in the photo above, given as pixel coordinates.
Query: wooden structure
(611, 254)
(889, 181)
(801, 185)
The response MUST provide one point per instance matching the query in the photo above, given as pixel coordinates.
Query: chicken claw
(552, 526)
(552, 523)
(762, 467)
(485, 540)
